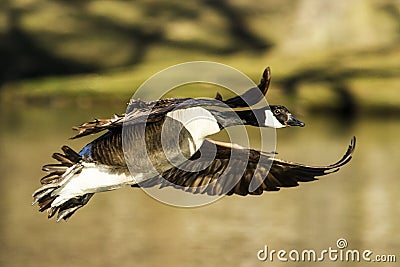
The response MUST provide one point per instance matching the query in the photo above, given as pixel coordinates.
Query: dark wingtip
(265, 80)
(353, 142)
(218, 96)
(352, 147)
(253, 95)
(347, 156)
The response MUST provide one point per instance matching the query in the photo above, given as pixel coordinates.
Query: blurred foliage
(50, 49)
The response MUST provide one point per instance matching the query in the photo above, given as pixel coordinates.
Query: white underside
(91, 179)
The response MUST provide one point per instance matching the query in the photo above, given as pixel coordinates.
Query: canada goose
(102, 165)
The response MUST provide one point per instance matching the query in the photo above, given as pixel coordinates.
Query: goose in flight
(103, 164)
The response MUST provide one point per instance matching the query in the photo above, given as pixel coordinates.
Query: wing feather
(219, 176)
(145, 112)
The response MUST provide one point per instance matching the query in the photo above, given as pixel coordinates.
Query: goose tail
(70, 164)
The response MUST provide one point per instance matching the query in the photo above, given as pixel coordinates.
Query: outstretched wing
(253, 95)
(146, 112)
(221, 176)
(98, 125)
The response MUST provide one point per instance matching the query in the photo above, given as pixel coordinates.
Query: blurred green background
(335, 64)
(319, 51)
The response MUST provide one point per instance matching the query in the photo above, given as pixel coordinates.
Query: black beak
(292, 121)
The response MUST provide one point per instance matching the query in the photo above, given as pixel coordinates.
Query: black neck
(255, 117)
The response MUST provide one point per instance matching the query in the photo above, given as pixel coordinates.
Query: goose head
(281, 117)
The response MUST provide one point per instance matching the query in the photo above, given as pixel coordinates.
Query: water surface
(129, 228)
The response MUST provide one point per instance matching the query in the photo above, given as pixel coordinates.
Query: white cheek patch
(199, 122)
(271, 121)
